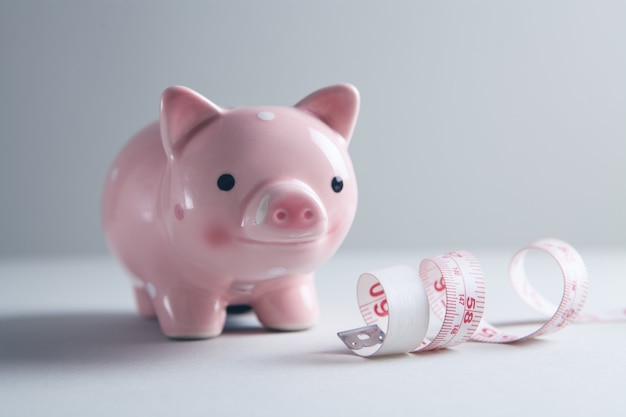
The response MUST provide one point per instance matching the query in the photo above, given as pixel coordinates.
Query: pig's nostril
(281, 215)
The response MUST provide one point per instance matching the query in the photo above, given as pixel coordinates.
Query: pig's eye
(226, 182)
(337, 184)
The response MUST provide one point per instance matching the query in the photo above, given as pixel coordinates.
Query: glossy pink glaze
(196, 241)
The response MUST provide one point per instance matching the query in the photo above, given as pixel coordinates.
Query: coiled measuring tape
(396, 302)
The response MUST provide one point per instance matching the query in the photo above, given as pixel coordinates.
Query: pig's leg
(190, 313)
(290, 304)
(144, 303)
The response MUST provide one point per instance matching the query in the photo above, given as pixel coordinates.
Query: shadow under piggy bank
(100, 338)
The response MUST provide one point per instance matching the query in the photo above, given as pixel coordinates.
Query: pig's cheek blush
(217, 236)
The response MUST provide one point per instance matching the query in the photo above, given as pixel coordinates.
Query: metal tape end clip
(362, 337)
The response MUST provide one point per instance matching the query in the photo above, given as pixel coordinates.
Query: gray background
(484, 123)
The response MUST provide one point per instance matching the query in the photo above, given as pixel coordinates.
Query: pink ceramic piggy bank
(211, 207)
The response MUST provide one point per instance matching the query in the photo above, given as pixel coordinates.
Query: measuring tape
(396, 302)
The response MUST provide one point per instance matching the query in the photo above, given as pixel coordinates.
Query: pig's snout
(285, 212)
(289, 211)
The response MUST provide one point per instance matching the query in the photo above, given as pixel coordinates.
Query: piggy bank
(211, 207)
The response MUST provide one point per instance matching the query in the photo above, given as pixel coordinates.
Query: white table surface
(71, 344)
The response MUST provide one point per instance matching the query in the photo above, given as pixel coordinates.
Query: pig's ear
(337, 106)
(182, 110)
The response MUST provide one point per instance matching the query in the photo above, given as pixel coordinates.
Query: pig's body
(210, 207)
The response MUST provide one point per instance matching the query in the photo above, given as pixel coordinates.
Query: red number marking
(469, 316)
(382, 309)
(376, 290)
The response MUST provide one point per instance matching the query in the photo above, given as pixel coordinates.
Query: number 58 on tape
(396, 302)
